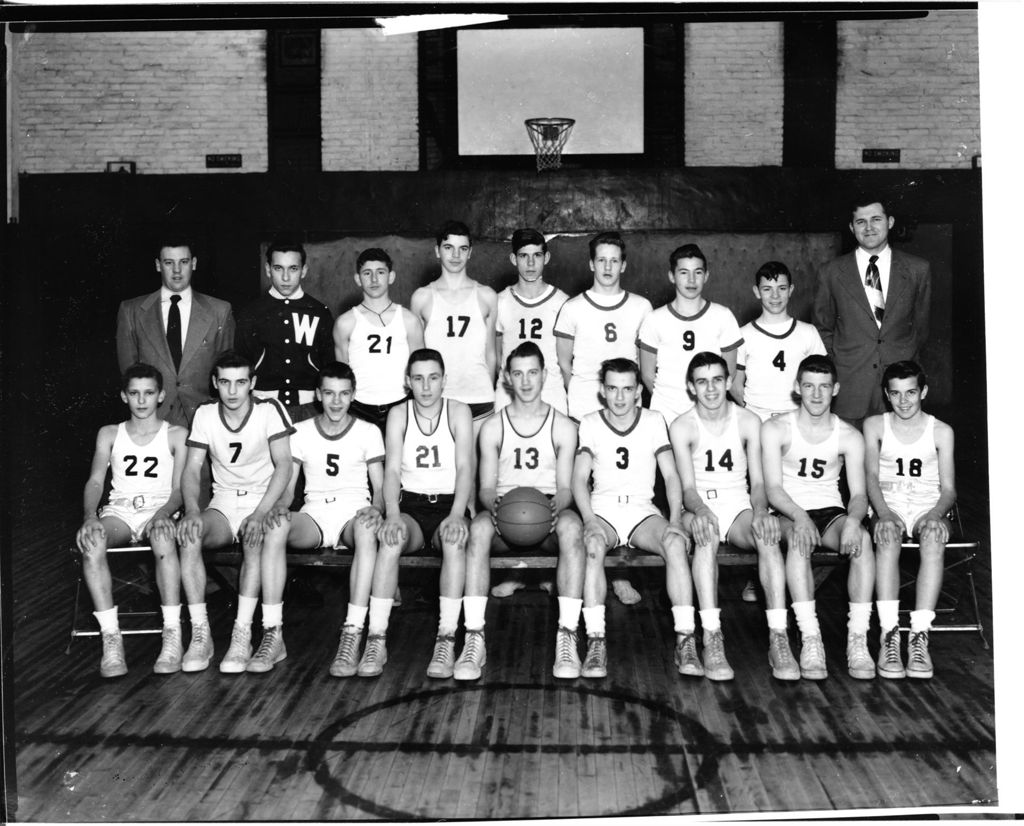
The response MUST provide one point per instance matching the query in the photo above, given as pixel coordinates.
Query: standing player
(247, 442)
(428, 479)
(690, 324)
(717, 447)
(375, 339)
(802, 454)
(527, 311)
(599, 324)
(145, 455)
(622, 446)
(911, 487)
(527, 443)
(338, 455)
(458, 316)
(773, 346)
(286, 333)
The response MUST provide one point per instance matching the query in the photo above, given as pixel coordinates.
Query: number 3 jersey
(597, 332)
(428, 459)
(624, 462)
(335, 466)
(810, 472)
(141, 470)
(770, 355)
(240, 457)
(675, 339)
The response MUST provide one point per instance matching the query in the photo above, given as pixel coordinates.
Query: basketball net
(548, 136)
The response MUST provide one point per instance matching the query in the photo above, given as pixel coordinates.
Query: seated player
(802, 454)
(527, 443)
(911, 488)
(621, 447)
(717, 447)
(375, 339)
(428, 480)
(246, 439)
(458, 315)
(338, 454)
(145, 455)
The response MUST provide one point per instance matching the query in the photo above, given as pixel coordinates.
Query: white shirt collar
(165, 294)
(294, 296)
(884, 256)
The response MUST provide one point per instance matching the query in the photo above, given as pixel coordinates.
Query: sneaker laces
(714, 648)
(918, 648)
(779, 643)
(110, 641)
(444, 649)
(815, 648)
(473, 648)
(374, 650)
(891, 648)
(348, 645)
(857, 647)
(266, 644)
(566, 646)
(686, 648)
(595, 649)
(201, 634)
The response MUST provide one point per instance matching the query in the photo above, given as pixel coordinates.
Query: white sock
(807, 618)
(449, 621)
(888, 613)
(273, 614)
(197, 614)
(246, 610)
(569, 612)
(473, 609)
(921, 620)
(172, 615)
(859, 618)
(107, 620)
(380, 613)
(356, 615)
(683, 621)
(776, 619)
(711, 619)
(593, 618)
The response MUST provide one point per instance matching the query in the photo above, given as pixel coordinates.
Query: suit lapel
(849, 278)
(198, 323)
(898, 282)
(153, 329)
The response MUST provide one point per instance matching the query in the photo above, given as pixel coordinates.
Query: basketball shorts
(624, 517)
(824, 518)
(909, 503)
(428, 510)
(481, 410)
(726, 505)
(134, 511)
(235, 506)
(375, 414)
(553, 393)
(331, 515)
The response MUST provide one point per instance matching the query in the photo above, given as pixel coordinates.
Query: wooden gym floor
(296, 744)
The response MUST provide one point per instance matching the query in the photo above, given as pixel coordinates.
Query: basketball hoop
(548, 136)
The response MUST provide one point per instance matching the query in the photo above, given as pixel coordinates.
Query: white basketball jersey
(770, 357)
(597, 333)
(378, 356)
(335, 466)
(720, 461)
(141, 470)
(459, 333)
(526, 460)
(520, 319)
(675, 339)
(624, 462)
(911, 468)
(810, 472)
(240, 458)
(428, 459)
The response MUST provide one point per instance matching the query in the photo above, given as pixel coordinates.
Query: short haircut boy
(423, 354)
(140, 370)
(231, 359)
(705, 359)
(905, 369)
(619, 365)
(526, 349)
(449, 228)
(285, 246)
(607, 238)
(816, 364)
(686, 251)
(374, 254)
(772, 271)
(528, 237)
(336, 370)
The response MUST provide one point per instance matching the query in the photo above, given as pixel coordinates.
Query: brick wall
(162, 99)
(734, 87)
(910, 85)
(369, 106)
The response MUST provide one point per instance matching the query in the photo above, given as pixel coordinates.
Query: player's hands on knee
(704, 527)
(190, 528)
(766, 527)
(935, 526)
(492, 511)
(804, 537)
(369, 517)
(90, 534)
(453, 530)
(851, 539)
(278, 516)
(889, 529)
(251, 529)
(594, 532)
(559, 502)
(674, 532)
(160, 527)
(392, 530)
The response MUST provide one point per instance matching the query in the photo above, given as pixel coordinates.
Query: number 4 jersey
(240, 457)
(769, 356)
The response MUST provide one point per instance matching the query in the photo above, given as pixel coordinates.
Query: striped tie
(873, 281)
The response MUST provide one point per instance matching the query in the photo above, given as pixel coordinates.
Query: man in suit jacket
(872, 308)
(206, 327)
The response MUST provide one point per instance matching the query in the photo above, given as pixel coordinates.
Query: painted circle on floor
(564, 727)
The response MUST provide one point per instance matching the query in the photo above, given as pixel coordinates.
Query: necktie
(873, 281)
(174, 331)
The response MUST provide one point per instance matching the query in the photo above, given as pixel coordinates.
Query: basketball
(524, 516)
